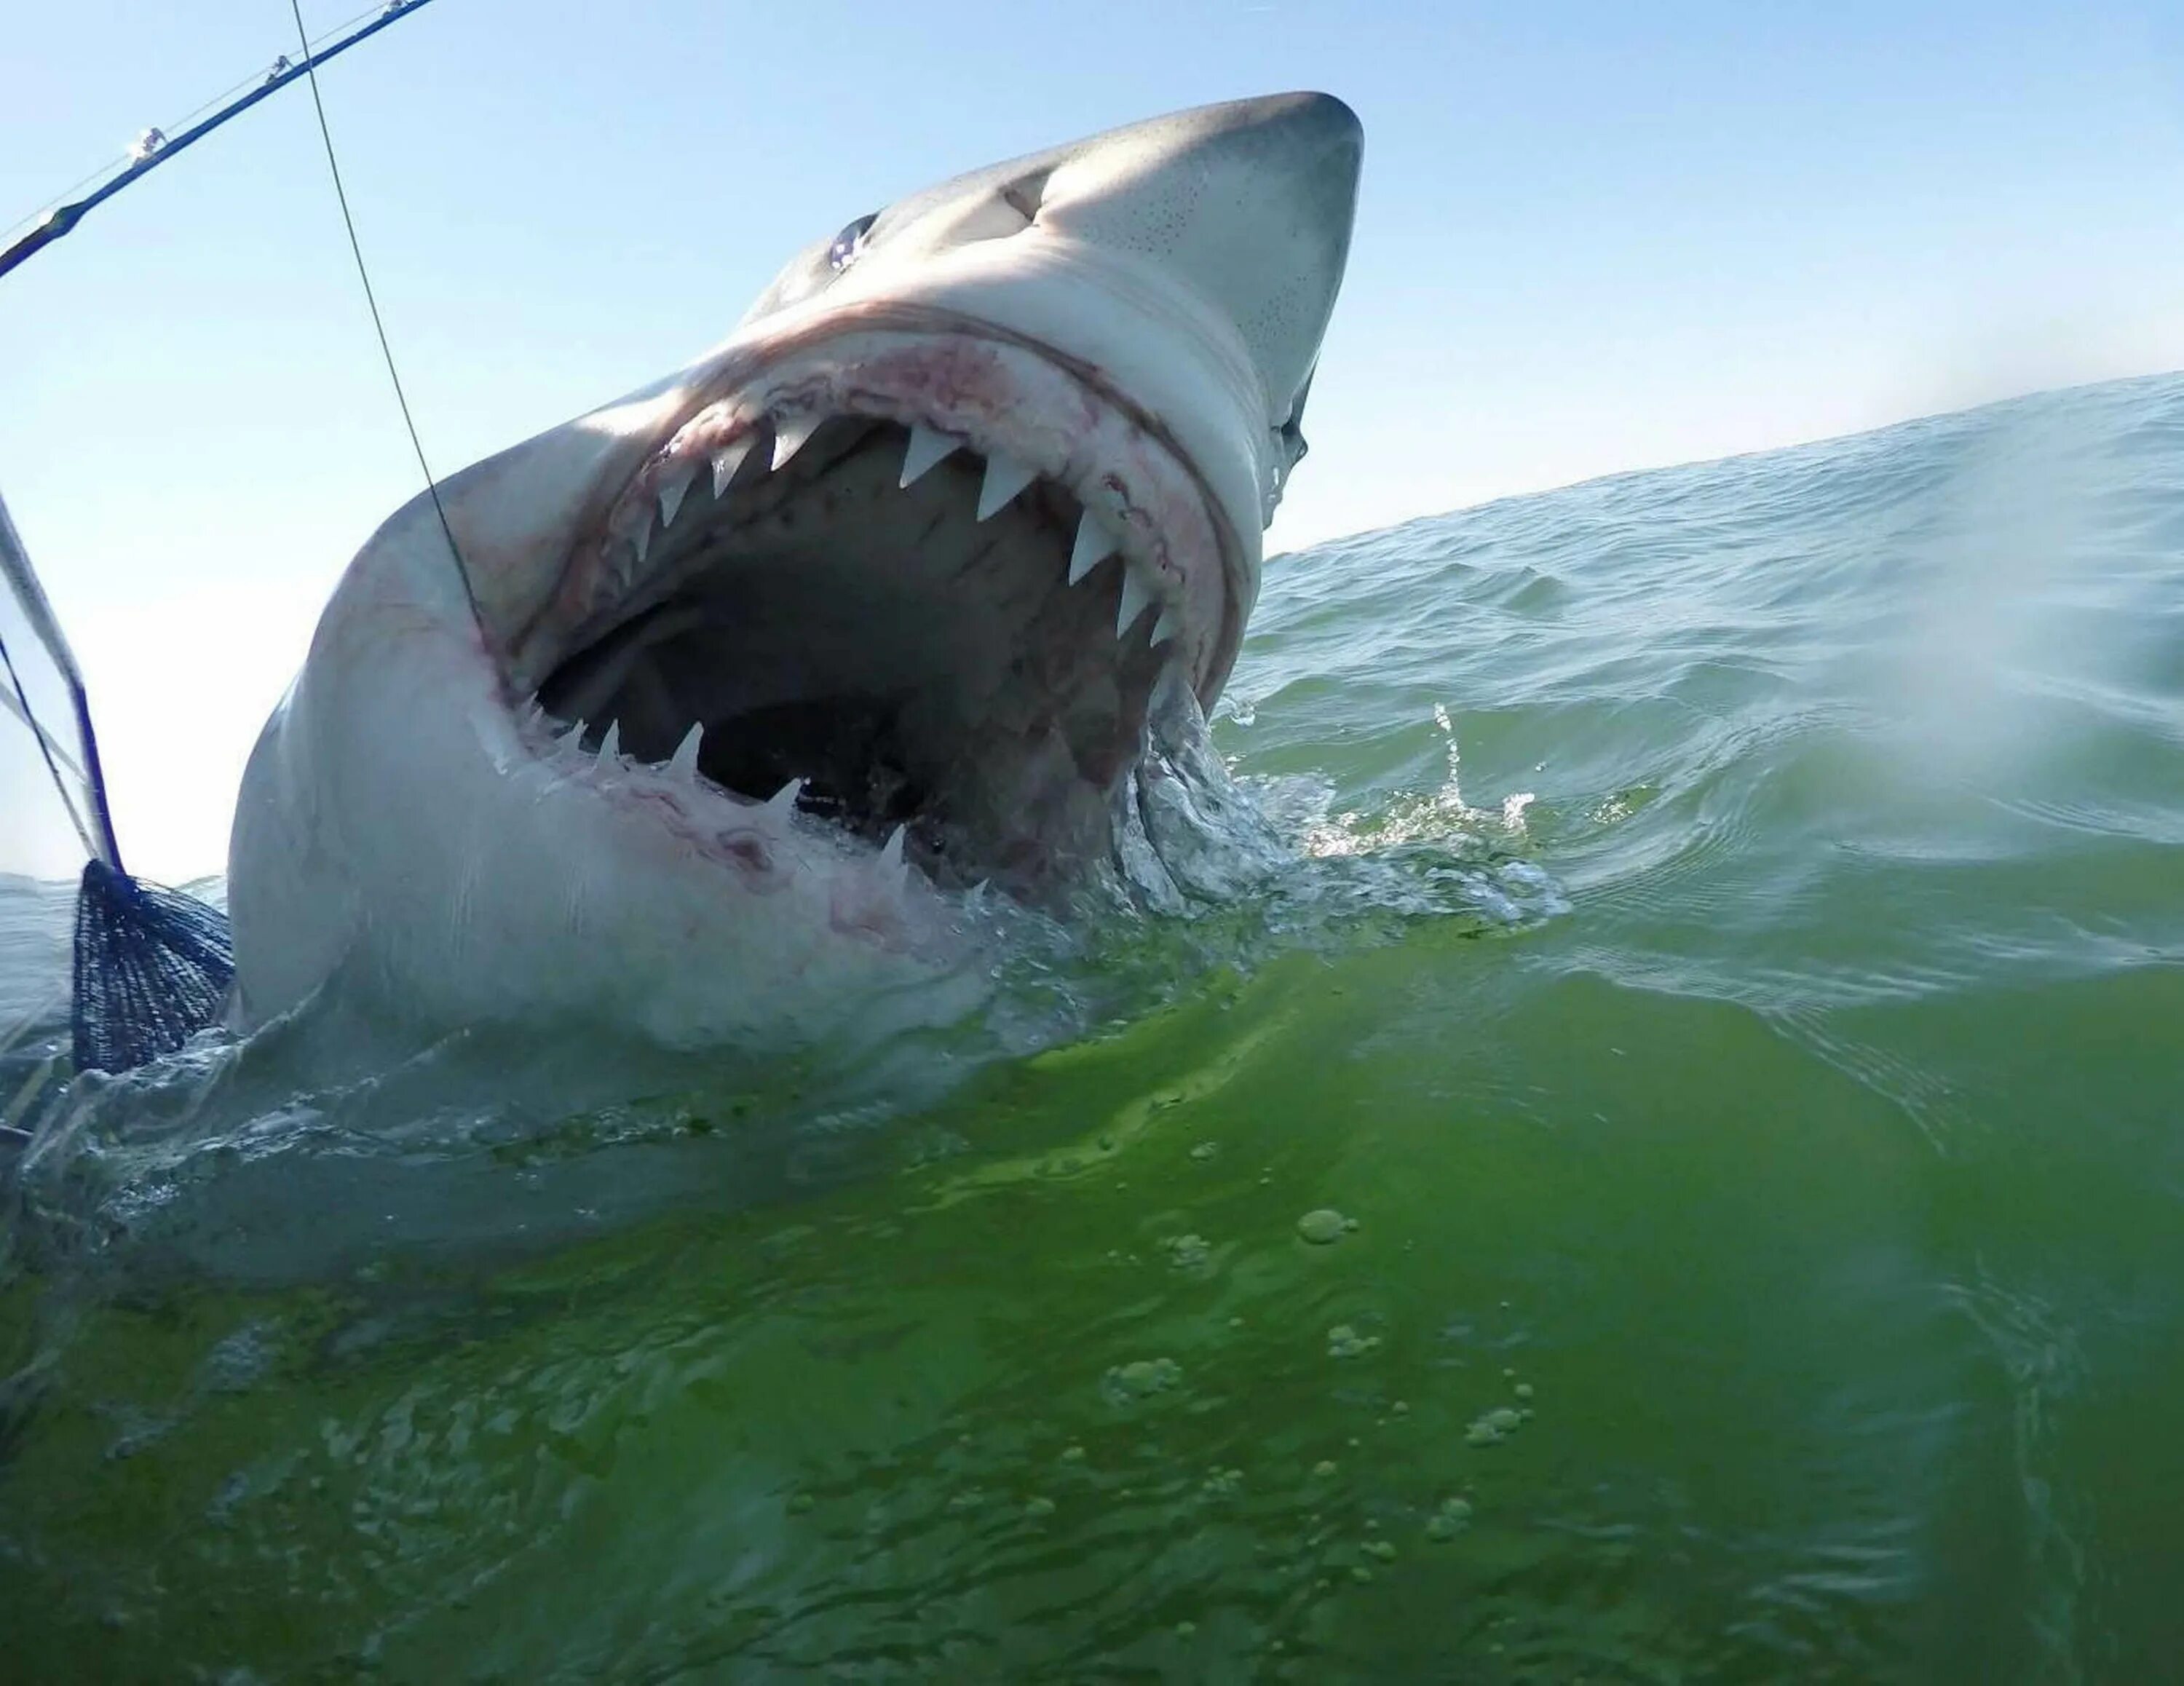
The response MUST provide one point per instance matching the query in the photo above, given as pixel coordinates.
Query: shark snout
(1249, 203)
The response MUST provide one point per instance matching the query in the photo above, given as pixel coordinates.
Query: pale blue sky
(1591, 238)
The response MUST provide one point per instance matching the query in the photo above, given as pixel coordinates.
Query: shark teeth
(683, 763)
(671, 491)
(610, 745)
(791, 434)
(727, 460)
(1094, 545)
(1136, 595)
(927, 446)
(777, 440)
(783, 801)
(1004, 477)
(1095, 542)
(893, 872)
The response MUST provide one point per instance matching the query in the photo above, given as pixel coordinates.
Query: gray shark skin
(896, 603)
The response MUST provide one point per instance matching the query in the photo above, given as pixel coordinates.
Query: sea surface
(1677, 1176)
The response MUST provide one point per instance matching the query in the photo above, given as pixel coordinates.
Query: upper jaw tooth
(1136, 594)
(791, 434)
(727, 460)
(1004, 477)
(1167, 626)
(632, 527)
(672, 486)
(1095, 544)
(927, 446)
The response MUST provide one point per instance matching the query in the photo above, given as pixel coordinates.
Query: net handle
(15, 568)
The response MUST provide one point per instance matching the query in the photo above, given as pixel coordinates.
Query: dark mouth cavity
(914, 666)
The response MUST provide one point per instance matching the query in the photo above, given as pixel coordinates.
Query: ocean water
(1677, 1176)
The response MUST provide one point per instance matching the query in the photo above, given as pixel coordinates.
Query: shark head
(742, 681)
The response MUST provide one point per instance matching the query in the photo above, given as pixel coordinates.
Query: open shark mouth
(919, 582)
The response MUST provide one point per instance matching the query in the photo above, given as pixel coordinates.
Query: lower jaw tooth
(683, 763)
(893, 871)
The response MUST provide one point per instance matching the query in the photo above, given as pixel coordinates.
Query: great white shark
(732, 693)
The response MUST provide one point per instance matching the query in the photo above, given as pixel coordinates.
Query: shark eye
(850, 242)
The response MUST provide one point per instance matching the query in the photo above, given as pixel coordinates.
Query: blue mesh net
(152, 965)
(152, 969)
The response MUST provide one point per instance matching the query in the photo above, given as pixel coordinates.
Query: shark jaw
(750, 681)
(919, 579)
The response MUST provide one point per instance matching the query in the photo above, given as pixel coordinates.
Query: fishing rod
(153, 965)
(154, 148)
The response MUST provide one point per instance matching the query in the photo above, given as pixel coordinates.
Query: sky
(1590, 238)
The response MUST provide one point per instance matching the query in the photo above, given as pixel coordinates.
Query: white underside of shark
(752, 686)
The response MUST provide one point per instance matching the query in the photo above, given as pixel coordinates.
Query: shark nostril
(1026, 194)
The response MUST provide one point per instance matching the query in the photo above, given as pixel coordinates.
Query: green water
(1767, 1258)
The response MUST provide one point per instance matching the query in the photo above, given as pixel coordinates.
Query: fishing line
(431, 485)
